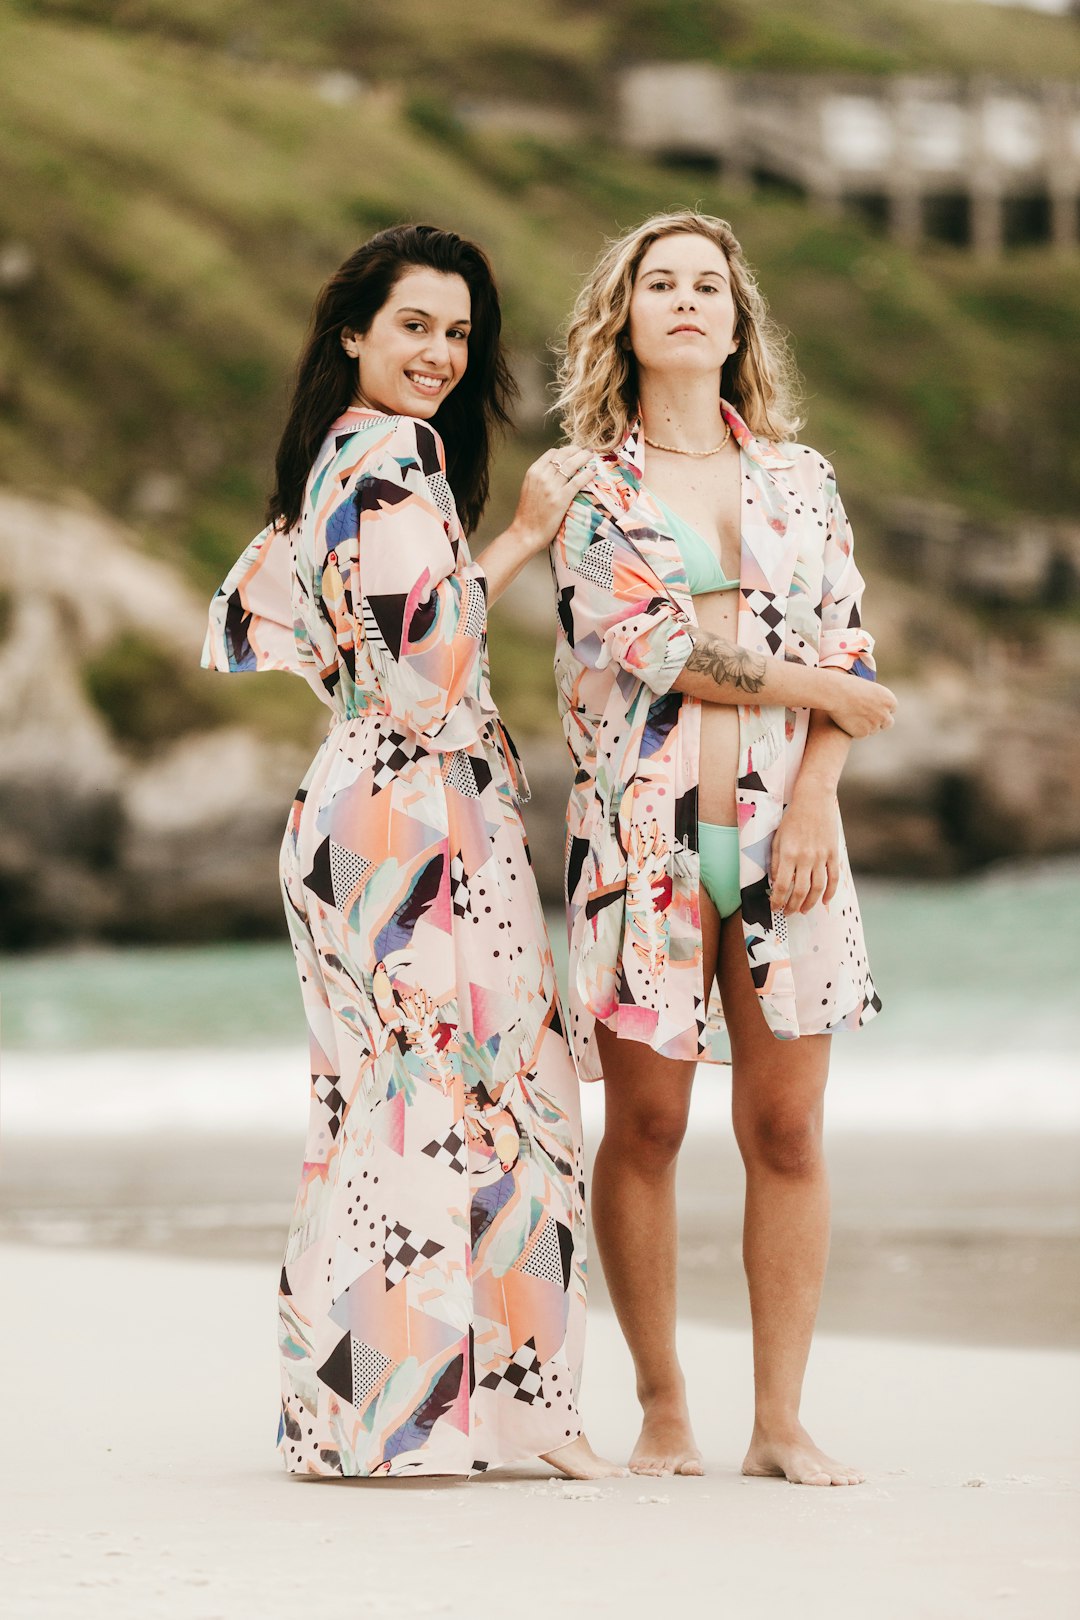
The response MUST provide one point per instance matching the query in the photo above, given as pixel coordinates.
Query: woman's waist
(358, 730)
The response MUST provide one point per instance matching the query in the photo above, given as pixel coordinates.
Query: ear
(349, 343)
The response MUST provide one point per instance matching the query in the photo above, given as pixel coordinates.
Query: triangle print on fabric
(347, 869)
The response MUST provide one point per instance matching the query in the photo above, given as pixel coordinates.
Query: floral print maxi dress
(433, 1289)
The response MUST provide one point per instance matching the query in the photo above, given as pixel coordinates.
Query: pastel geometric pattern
(443, 1112)
(624, 631)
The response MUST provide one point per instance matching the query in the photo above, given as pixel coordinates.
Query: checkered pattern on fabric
(393, 752)
(520, 1377)
(402, 1249)
(325, 1087)
(764, 608)
(459, 888)
(450, 1151)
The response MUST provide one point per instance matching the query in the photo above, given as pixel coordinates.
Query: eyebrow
(658, 271)
(410, 309)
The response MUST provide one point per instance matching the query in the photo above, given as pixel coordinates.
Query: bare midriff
(718, 613)
(706, 495)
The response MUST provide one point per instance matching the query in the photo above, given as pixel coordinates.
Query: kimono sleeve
(844, 643)
(423, 605)
(252, 622)
(612, 606)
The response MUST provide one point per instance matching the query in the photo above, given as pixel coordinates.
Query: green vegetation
(185, 185)
(148, 699)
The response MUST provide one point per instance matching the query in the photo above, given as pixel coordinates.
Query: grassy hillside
(556, 49)
(183, 188)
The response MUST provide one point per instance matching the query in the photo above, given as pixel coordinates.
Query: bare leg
(646, 1102)
(778, 1097)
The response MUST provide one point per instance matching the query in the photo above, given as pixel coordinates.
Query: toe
(691, 1466)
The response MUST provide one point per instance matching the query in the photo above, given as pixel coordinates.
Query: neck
(683, 411)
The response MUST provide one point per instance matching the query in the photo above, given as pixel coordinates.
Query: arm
(720, 671)
(546, 491)
(423, 613)
(252, 622)
(805, 862)
(804, 868)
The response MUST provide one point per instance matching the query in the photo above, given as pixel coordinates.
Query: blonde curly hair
(597, 374)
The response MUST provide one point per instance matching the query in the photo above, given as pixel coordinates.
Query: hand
(858, 706)
(805, 866)
(546, 491)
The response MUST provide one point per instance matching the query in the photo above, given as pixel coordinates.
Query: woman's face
(682, 312)
(417, 347)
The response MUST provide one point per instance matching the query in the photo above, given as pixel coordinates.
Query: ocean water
(980, 1030)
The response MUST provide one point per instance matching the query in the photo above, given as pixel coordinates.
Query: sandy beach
(142, 1480)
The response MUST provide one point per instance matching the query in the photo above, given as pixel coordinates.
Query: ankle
(777, 1423)
(669, 1396)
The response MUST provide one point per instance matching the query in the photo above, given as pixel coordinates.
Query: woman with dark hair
(433, 1292)
(712, 669)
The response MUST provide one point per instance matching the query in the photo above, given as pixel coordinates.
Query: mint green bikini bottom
(719, 850)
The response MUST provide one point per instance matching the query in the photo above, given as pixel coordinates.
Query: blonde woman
(712, 670)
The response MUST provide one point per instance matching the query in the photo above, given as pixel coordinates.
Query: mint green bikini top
(702, 566)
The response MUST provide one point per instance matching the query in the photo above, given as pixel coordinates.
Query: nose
(685, 299)
(437, 351)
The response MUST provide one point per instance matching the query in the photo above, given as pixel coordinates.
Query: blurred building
(979, 162)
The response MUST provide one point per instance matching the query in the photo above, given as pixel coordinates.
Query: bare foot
(666, 1444)
(578, 1460)
(793, 1456)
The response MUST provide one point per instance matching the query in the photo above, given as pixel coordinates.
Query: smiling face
(416, 348)
(682, 312)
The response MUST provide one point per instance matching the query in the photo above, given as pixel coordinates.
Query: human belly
(717, 612)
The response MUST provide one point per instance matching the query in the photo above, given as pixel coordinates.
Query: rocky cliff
(142, 799)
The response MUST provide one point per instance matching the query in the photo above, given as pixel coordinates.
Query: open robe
(632, 867)
(432, 1297)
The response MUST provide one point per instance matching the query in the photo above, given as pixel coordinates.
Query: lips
(426, 381)
(675, 330)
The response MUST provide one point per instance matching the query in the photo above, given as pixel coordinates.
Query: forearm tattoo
(725, 663)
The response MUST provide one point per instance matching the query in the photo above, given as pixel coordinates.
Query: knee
(652, 1137)
(782, 1142)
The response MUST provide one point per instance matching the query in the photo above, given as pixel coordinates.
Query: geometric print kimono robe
(632, 866)
(433, 1289)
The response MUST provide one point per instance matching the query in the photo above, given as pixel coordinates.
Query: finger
(784, 871)
(573, 458)
(818, 879)
(833, 878)
(800, 884)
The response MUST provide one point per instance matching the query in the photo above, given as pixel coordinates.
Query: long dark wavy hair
(468, 418)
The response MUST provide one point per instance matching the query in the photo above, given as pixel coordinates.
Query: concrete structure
(980, 162)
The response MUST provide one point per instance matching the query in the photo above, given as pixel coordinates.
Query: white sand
(141, 1480)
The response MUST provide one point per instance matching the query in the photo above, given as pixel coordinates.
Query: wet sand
(971, 1239)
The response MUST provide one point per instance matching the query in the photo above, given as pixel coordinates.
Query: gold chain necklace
(697, 454)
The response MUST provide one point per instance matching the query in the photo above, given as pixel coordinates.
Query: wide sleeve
(613, 608)
(421, 602)
(252, 622)
(844, 643)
